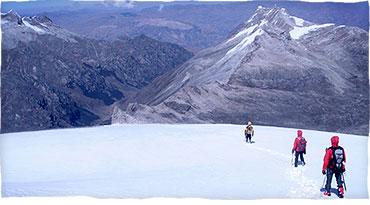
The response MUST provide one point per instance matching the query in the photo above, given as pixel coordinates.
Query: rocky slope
(274, 69)
(54, 78)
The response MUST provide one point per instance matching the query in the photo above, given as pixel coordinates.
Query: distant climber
(249, 132)
(334, 163)
(299, 148)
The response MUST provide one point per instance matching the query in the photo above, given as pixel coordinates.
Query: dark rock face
(274, 69)
(52, 78)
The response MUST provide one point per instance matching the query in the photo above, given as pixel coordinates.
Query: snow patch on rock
(245, 42)
(246, 31)
(298, 32)
(298, 21)
(35, 28)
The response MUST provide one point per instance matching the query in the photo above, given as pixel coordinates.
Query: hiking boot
(341, 190)
(326, 193)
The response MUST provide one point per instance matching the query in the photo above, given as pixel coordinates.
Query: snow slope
(197, 161)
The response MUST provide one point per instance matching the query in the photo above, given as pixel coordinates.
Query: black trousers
(249, 136)
(296, 157)
(329, 177)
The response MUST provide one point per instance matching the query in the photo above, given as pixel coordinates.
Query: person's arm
(344, 161)
(327, 157)
(295, 145)
(344, 155)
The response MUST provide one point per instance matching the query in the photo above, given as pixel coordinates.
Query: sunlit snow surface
(197, 161)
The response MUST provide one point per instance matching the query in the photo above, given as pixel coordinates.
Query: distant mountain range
(197, 25)
(274, 69)
(52, 78)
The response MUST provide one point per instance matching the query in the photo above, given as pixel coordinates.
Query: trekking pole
(323, 182)
(323, 186)
(344, 182)
(291, 161)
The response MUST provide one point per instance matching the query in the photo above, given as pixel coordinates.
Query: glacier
(210, 161)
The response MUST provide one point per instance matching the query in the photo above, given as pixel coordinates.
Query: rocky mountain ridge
(52, 78)
(274, 69)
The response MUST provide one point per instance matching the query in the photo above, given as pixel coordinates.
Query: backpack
(301, 144)
(248, 130)
(337, 158)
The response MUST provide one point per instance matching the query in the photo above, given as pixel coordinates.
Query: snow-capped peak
(275, 20)
(11, 12)
(11, 16)
(16, 29)
(263, 17)
(37, 24)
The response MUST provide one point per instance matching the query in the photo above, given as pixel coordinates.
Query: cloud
(120, 3)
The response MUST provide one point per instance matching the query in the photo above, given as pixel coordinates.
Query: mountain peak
(275, 16)
(273, 20)
(11, 12)
(11, 16)
(24, 29)
(274, 58)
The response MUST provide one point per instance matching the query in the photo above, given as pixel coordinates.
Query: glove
(292, 151)
(323, 172)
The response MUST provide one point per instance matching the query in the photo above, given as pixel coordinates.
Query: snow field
(176, 161)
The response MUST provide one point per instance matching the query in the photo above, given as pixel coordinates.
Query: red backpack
(301, 144)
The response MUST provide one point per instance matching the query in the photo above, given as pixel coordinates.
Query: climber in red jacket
(334, 163)
(299, 147)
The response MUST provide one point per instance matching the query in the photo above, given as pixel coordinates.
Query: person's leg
(296, 159)
(329, 175)
(301, 156)
(338, 177)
